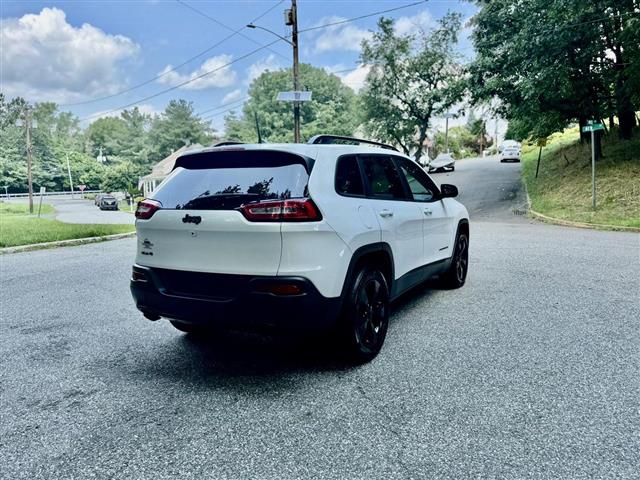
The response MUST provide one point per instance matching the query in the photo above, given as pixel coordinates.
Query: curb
(64, 243)
(569, 223)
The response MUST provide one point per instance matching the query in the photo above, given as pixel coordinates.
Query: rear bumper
(242, 307)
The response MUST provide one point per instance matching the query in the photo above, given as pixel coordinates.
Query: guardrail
(47, 194)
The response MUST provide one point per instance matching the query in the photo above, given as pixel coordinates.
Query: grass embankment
(563, 187)
(17, 227)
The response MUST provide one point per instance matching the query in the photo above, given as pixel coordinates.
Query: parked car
(97, 199)
(444, 161)
(508, 144)
(108, 202)
(299, 237)
(511, 154)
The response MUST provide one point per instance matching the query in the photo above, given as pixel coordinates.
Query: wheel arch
(378, 254)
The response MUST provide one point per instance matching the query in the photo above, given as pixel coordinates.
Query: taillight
(298, 210)
(146, 209)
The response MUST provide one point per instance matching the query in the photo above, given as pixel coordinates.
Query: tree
(122, 177)
(410, 81)
(134, 145)
(333, 108)
(555, 62)
(176, 127)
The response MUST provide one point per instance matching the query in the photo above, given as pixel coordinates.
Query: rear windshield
(226, 180)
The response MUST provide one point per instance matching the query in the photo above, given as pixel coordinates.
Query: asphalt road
(532, 370)
(78, 210)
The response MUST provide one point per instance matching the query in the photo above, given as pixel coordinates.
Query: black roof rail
(224, 144)
(323, 139)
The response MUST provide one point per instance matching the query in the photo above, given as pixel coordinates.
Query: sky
(95, 58)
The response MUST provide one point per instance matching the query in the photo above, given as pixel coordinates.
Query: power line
(222, 106)
(263, 47)
(348, 20)
(219, 23)
(182, 84)
(173, 69)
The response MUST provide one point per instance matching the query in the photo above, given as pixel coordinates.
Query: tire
(187, 327)
(456, 275)
(365, 317)
(453, 169)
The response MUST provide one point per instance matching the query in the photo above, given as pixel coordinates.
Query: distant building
(160, 170)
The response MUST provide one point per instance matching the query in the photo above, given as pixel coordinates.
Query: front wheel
(456, 275)
(365, 318)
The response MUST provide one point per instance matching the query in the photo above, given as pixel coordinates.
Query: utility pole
(296, 73)
(496, 144)
(27, 126)
(70, 180)
(446, 133)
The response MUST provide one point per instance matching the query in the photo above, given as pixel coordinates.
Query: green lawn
(23, 208)
(17, 227)
(563, 186)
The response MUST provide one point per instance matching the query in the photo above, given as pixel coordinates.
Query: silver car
(443, 161)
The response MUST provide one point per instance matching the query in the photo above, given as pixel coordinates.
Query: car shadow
(252, 362)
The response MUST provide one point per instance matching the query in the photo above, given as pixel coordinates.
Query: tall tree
(411, 80)
(176, 127)
(556, 62)
(332, 109)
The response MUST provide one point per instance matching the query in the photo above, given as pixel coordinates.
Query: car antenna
(255, 115)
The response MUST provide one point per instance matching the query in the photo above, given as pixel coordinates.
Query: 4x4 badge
(189, 219)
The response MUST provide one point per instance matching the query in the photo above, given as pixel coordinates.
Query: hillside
(563, 187)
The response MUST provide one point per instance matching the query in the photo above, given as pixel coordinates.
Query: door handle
(427, 211)
(386, 213)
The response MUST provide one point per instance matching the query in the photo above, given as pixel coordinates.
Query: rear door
(199, 228)
(400, 219)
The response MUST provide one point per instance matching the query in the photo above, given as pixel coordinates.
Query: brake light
(298, 210)
(146, 209)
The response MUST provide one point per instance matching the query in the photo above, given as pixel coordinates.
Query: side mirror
(448, 191)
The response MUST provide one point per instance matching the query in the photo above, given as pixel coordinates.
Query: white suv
(297, 237)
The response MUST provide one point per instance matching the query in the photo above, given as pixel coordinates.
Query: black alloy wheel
(366, 316)
(456, 275)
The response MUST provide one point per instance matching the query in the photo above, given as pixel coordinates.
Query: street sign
(542, 142)
(82, 187)
(42, 190)
(294, 96)
(592, 127)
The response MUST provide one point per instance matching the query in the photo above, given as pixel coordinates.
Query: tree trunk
(421, 138)
(598, 144)
(585, 137)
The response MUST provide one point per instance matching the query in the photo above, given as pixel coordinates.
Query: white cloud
(355, 79)
(338, 37)
(43, 58)
(255, 70)
(232, 97)
(222, 75)
(420, 24)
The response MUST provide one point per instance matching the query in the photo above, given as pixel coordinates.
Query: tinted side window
(348, 178)
(383, 178)
(422, 189)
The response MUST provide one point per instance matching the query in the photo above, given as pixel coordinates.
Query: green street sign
(593, 127)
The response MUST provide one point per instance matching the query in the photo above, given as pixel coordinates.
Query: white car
(300, 237)
(510, 154)
(444, 161)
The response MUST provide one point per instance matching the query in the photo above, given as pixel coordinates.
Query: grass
(23, 208)
(563, 187)
(17, 227)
